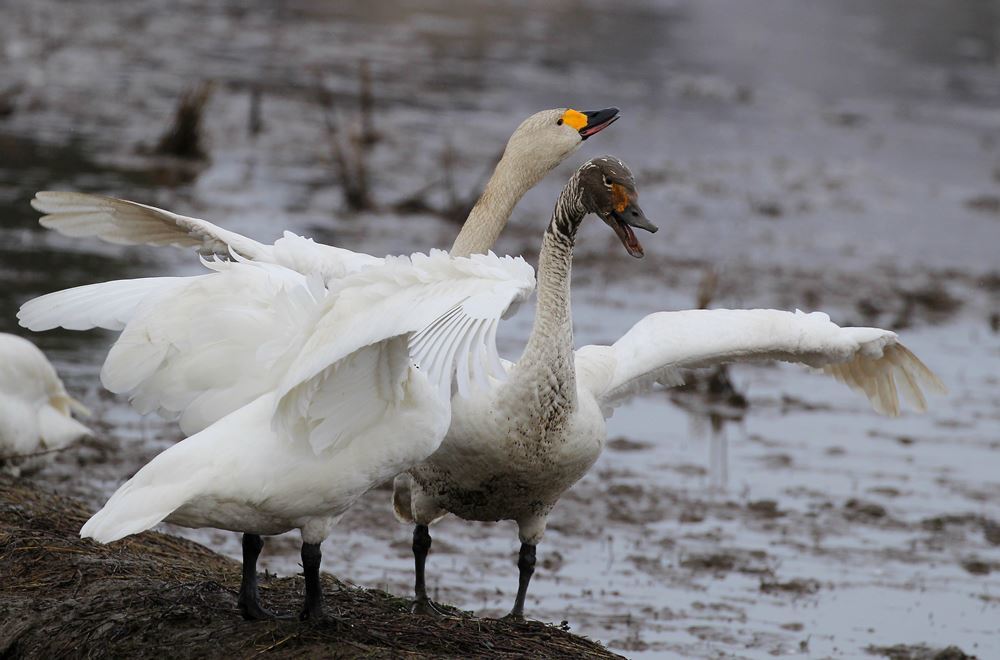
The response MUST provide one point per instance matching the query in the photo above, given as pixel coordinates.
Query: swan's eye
(560, 122)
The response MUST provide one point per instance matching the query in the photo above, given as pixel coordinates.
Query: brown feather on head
(610, 190)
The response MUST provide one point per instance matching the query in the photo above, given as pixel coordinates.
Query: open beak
(623, 221)
(597, 121)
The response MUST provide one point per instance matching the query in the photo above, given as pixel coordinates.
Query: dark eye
(607, 180)
(559, 123)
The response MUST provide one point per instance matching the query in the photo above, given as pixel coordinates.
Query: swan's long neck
(546, 367)
(511, 179)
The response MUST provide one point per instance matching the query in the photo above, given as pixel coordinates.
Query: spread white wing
(199, 348)
(343, 381)
(108, 305)
(130, 223)
(214, 343)
(193, 348)
(659, 347)
(111, 305)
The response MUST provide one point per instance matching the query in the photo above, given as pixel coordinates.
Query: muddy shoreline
(156, 595)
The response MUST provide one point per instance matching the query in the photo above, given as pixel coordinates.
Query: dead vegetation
(350, 147)
(183, 139)
(352, 141)
(712, 386)
(902, 308)
(155, 595)
(795, 587)
(455, 206)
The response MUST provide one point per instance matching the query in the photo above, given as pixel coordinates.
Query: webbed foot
(426, 607)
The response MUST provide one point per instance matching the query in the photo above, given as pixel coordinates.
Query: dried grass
(154, 594)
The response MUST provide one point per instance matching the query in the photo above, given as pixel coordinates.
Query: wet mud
(155, 594)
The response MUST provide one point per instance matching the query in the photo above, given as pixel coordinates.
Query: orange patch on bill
(574, 118)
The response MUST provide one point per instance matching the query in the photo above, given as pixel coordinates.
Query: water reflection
(33, 260)
(855, 49)
(712, 404)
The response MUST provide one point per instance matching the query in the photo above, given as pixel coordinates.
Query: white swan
(512, 451)
(35, 410)
(168, 364)
(536, 147)
(363, 400)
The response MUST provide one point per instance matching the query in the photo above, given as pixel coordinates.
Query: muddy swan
(512, 451)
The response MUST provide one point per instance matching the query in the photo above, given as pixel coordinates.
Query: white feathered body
(358, 381)
(239, 475)
(35, 410)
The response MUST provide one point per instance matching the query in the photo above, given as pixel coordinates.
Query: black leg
(249, 599)
(421, 545)
(526, 568)
(313, 606)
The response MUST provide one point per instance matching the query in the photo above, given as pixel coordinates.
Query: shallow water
(835, 156)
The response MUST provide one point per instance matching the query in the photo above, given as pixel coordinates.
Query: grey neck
(547, 362)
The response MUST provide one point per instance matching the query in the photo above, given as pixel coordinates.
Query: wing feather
(438, 304)
(213, 343)
(664, 344)
(108, 305)
(130, 223)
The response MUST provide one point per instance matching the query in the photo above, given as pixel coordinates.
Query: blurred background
(837, 156)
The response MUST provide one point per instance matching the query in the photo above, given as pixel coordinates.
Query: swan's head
(608, 189)
(547, 138)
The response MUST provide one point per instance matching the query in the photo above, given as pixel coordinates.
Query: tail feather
(161, 487)
(133, 509)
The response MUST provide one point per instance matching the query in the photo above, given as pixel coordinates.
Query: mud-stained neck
(546, 369)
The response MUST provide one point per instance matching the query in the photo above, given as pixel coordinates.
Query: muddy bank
(155, 594)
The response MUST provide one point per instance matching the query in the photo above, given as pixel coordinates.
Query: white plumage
(356, 350)
(198, 348)
(129, 223)
(108, 305)
(352, 407)
(35, 410)
(535, 148)
(660, 347)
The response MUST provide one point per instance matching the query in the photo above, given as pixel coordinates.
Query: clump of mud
(156, 595)
(919, 652)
